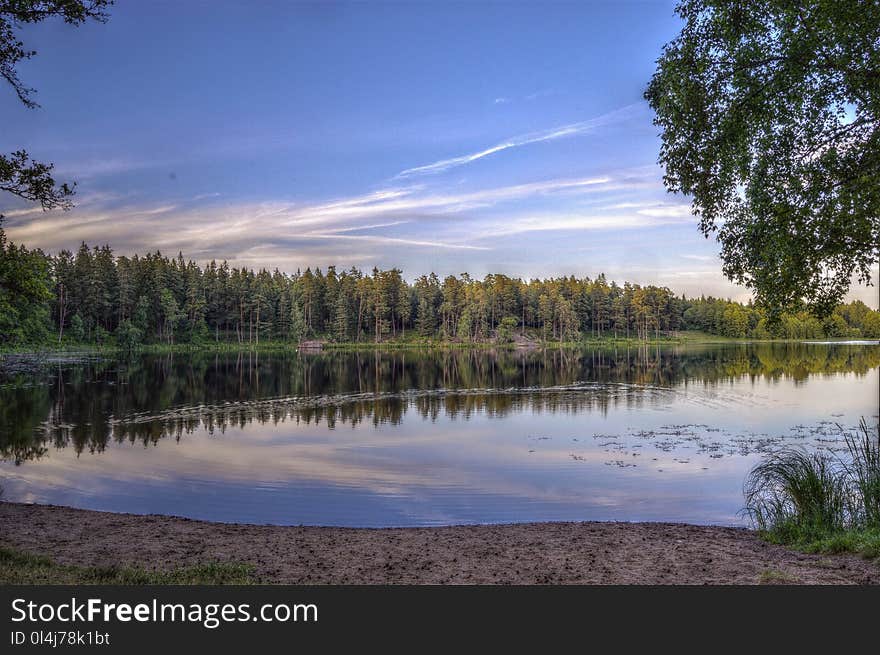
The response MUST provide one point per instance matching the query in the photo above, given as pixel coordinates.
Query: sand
(528, 553)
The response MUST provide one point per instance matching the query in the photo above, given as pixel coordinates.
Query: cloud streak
(400, 202)
(392, 241)
(404, 215)
(562, 221)
(560, 132)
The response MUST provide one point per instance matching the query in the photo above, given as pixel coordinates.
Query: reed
(820, 501)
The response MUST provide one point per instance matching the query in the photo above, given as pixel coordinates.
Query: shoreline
(685, 339)
(332, 347)
(516, 553)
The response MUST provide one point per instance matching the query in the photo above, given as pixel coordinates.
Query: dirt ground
(533, 553)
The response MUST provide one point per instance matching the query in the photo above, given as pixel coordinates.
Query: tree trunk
(61, 312)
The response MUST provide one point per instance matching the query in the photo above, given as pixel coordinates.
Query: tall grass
(863, 472)
(803, 498)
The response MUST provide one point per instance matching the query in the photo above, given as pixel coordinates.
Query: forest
(95, 297)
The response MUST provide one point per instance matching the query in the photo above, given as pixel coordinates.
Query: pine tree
(340, 325)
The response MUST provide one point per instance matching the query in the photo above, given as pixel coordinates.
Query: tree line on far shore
(94, 296)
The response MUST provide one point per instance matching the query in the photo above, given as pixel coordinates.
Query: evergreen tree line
(93, 296)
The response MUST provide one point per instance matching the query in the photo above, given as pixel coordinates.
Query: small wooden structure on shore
(311, 345)
(520, 341)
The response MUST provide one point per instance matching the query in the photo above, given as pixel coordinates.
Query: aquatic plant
(803, 498)
(863, 472)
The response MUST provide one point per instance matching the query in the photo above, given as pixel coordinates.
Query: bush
(101, 335)
(801, 498)
(77, 329)
(505, 330)
(128, 336)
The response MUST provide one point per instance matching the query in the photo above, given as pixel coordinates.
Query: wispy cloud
(667, 211)
(21, 213)
(560, 132)
(408, 217)
(400, 201)
(380, 240)
(100, 166)
(503, 100)
(563, 221)
(359, 228)
(540, 94)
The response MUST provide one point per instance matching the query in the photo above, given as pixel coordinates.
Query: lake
(407, 438)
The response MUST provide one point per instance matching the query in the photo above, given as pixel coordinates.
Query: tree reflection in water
(143, 399)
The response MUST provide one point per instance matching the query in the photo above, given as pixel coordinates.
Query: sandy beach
(528, 553)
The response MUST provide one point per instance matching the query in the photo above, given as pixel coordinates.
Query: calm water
(380, 439)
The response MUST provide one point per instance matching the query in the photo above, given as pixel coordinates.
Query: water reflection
(416, 438)
(88, 404)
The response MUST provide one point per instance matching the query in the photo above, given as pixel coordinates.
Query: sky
(489, 138)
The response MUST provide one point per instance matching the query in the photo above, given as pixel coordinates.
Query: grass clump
(866, 542)
(820, 502)
(18, 567)
(774, 577)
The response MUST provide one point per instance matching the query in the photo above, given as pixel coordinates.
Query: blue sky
(507, 138)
